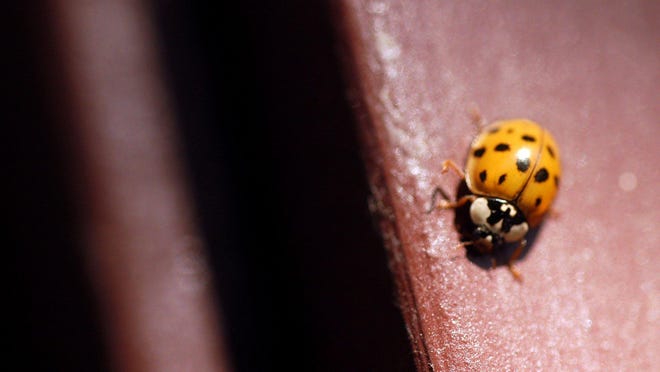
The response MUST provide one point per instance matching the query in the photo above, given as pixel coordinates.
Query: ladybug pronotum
(513, 172)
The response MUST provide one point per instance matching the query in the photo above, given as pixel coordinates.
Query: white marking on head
(479, 211)
(516, 233)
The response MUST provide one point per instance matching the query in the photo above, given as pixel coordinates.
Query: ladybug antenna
(475, 117)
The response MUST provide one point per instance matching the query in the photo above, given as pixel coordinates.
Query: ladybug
(513, 173)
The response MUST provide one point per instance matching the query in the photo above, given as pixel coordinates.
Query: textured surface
(589, 72)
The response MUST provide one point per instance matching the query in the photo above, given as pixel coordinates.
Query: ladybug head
(497, 222)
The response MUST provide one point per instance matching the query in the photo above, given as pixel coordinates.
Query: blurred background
(270, 148)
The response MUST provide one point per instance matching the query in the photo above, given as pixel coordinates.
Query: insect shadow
(499, 256)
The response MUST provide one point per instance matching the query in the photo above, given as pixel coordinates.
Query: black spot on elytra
(528, 138)
(537, 202)
(494, 130)
(556, 181)
(502, 147)
(501, 179)
(550, 151)
(510, 130)
(522, 164)
(479, 152)
(482, 176)
(541, 176)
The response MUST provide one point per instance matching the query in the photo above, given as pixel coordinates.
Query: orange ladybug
(513, 172)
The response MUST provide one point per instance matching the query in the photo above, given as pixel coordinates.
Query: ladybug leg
(516, 273)
(553, 213)
(449, 164)
(461, 245)
(446, 204)
(514, 256)
(434, 197)
(465, 244)
(518, 251)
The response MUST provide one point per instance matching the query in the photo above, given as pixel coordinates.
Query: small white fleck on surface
(388, 48)
(627, 181)
(378, 8)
